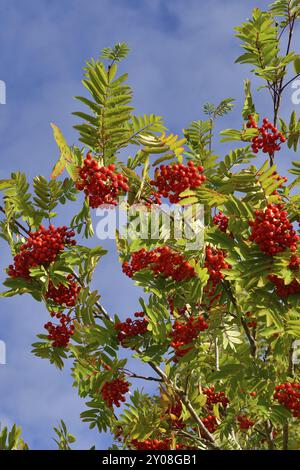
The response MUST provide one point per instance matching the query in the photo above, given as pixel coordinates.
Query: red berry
(244, 422)
(222, 221)
(131, 328)
(171, 180)
(269, 138)
(60, 334)
(184, 332)
(214, 262)
(41, 248)
(272, 231)
(65, 296)
(161, 261)
(102, 185)
(288, 395)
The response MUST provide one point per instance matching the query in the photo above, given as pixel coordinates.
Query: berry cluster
(161, 261)
(113, 392)
(214, 262)
(101, 184)
(153, 199)
(211, 424)
(41, 248)
(272, 231)
(213, 397)
(294, 262)
(131, 328)
(154, 444)
(65, 296)
(171, 180)
(282, 289)
(251, 322)
(60, 334)
(288, 395)
(244, 422)
(221, 221)
(185, 332)
(175, 411)
(269, 138)
(277, 177)
(180, 311)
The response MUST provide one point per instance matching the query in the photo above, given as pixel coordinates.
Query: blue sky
(183, 54)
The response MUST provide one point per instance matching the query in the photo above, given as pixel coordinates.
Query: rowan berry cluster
(154, 444)
(294, 262)
(272, 231)
(131, 328)
(41, 248)
(244, 422)
(113, 392)
(101, 184)
(269, 139)
(213, 397)
(60, 334)
(221, 221)
(184, 332)
(214, 261)
(288, 395)
(66, 296)
(161, 261)
(251, 322)
(171, 180)
(153, 199)
(180, 310)
(282, 289)
(175, 411)
(277, 177)
(211, 424)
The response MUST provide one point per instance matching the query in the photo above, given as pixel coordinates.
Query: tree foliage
(215, 387)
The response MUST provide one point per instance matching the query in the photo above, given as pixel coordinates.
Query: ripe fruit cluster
(244, 422)
(41, 248)
(221, 220)
(175, 411)
(294, 262)
(113, 392)
(101, 184)
(272, 231)
(282, 289)
(213, 398)
(154, 444)
(66, 296)
(288, 395)
(153, 199)
(131, 328)
(171, 180)
(214, 262)
(161, 261)
(277, 177)
(60, 334)
(184, 332)
(269, 139)
(251, 322)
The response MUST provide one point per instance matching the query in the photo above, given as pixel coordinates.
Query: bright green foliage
(11, 440)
